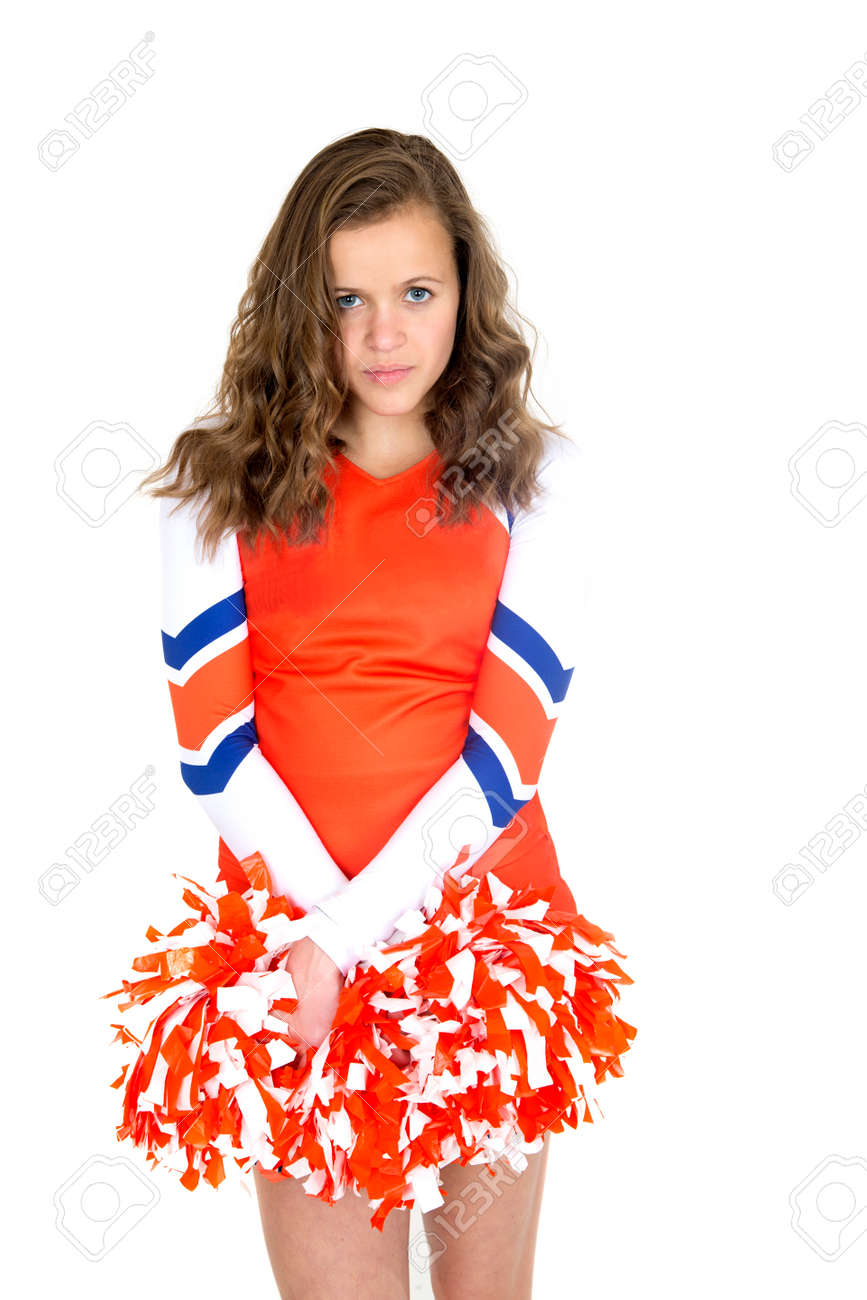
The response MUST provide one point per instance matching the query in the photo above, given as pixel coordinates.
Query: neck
(387, 439)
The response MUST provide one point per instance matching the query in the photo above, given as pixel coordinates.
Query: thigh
(329, 1252)
(482, 1239)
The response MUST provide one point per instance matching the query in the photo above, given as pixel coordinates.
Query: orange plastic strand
(207, 1085)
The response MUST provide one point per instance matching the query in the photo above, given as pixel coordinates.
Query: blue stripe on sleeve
(522, 637)
(204, 628)
(213, 777)
(492, 779)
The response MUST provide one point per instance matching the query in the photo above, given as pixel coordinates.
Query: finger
(297, 1037)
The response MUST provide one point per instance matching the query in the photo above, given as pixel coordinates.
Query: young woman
(368, 656)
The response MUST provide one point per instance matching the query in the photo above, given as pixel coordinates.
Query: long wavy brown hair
(257, 455)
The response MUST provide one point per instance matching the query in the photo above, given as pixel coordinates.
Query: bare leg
(482, 1240)
(331, 1252)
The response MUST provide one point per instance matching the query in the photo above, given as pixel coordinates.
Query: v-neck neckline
(389, 478)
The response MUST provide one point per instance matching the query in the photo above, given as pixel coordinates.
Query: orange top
(388, 675)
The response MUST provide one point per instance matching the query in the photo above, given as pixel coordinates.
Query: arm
(207, 655)
(523, 678)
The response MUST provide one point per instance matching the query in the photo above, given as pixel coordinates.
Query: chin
(391, 408)
(389, 403)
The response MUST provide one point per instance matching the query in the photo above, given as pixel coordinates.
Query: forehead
(411, 241)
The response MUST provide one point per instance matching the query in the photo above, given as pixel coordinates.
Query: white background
(702, 316)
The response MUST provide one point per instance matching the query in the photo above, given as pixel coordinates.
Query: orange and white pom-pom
(504, 1004)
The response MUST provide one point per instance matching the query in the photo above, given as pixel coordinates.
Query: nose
(385, 333)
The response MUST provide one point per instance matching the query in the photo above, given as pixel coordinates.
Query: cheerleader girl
(371, 617)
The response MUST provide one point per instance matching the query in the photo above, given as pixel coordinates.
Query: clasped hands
(318, 981)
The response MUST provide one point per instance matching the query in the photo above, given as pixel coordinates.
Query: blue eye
(418, 288)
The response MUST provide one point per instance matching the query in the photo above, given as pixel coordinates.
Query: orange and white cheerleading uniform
(367, 710)
(364, 719)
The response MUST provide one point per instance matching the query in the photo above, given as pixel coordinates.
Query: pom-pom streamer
(504, 1004)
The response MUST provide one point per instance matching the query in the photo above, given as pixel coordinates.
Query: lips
(389, 375)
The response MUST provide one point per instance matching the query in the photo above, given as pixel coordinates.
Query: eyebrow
(413, 279)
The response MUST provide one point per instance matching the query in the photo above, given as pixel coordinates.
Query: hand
(399, 1055)
(318, 981)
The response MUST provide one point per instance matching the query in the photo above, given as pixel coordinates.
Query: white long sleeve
(523, 678)
(207, 655)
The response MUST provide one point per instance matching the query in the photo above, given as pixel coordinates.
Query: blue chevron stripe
(492, 779)
(204, 628)
(213, 777)
(522, 637)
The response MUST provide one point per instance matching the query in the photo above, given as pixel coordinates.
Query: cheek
(343, 345)
(440, 334)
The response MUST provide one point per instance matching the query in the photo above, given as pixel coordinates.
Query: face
(397, 293)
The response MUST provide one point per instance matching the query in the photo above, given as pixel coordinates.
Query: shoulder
(178, 517)
(180, 531)
(561, 476)
(562, 458)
